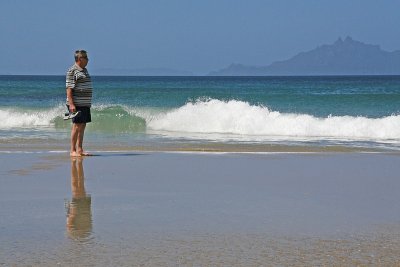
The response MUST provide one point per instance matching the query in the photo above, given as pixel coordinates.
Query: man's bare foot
(75, 154)
(84, 153)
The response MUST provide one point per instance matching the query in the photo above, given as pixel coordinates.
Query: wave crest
(18, 118)
(237, 117)
(208, 117)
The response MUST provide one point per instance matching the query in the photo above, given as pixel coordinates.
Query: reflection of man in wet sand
(79, 214)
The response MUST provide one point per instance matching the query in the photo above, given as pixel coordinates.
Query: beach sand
(200, 209)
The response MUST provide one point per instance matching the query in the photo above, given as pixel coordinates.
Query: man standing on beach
(79, 99)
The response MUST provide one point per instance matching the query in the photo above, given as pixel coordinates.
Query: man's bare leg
(81, 133)
(74, 139)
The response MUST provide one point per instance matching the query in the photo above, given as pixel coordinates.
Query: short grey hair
(79, 54)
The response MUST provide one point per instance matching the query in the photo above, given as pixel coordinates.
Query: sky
(39, 37)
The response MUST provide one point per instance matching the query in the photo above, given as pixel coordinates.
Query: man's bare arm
(72, 107)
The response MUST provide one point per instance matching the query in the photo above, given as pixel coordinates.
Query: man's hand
(72, 108)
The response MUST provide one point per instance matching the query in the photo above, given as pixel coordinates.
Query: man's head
(81, 58)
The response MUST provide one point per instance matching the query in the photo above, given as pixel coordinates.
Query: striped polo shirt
(79, 81)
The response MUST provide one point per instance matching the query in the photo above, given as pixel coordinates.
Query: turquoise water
(347, 111)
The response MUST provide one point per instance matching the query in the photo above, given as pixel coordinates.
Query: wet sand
(200, 209)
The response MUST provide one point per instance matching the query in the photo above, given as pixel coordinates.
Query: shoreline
(186, 146)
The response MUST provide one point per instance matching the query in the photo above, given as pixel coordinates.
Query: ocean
(259, 114)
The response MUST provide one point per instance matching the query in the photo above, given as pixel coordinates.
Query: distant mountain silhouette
(348, 57)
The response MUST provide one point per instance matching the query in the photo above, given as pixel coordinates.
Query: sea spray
(241, 118)
(19, 118)
(105, 118)
(210, 117)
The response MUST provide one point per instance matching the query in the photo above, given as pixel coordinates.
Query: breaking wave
(241, 118)
(207, 117)
(19, 118)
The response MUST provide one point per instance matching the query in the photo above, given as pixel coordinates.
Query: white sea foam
(216, 119)
(241, 118)
(17, 118)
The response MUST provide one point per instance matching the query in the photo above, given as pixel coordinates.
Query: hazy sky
(39, 37)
